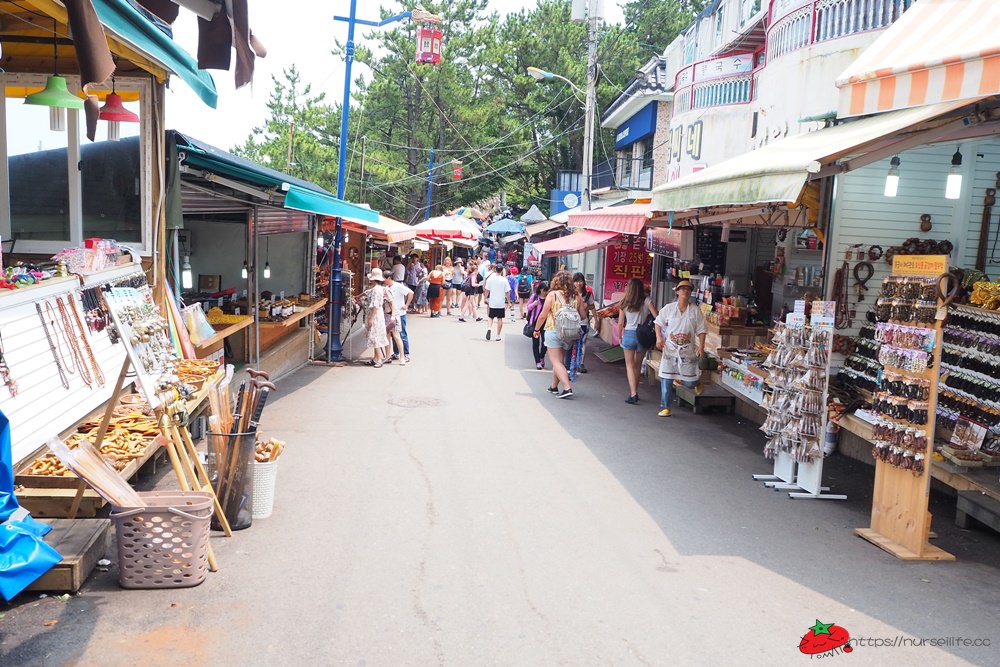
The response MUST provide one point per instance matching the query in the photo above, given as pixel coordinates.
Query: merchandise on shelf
(797, 376)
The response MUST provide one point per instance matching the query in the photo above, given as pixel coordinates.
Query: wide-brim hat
(460, 261)
(684, 283)
(376, 276)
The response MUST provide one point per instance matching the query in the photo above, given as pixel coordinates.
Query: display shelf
(38, 291)
(108, 275)
(227, 330)
(298, 316)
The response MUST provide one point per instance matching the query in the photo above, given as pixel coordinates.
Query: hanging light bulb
(245, 272)
(115, 112)
(319, 241)
(56, 93)
(267, 260)
(953, 186)
(187, 279)
(892, 178)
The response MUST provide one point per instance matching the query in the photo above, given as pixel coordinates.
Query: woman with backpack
(562, 312)
(534, 310)
(524, 291)
(631, 312)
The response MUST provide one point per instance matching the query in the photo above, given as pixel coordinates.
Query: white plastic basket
(264, 476)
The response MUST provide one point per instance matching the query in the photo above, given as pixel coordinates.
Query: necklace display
(95, 367)
(66, 328)
(5, 372)
(52, 345)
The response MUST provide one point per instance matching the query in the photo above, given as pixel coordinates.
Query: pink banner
(625, 259)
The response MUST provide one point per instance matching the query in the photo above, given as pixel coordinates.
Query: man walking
(402, 296)
(497, 291)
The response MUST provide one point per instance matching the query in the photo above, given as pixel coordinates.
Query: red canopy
(581, 241)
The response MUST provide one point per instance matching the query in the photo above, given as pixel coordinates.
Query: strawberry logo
(824, 637)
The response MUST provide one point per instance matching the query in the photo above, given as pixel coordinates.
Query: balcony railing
(719, 92)
(823, 20)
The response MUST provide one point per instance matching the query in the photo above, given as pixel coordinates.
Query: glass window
(38, 174)
(111, 187)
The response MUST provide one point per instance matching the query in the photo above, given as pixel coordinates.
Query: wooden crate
(81, 542)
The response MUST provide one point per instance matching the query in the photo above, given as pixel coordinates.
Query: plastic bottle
(830, 438)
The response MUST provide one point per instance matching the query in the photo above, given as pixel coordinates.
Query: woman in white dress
(680, 333)
(373, 301)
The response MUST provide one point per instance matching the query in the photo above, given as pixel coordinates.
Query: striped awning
(628, 219)
(938, 51)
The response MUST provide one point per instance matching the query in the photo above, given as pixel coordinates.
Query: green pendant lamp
(56, 93)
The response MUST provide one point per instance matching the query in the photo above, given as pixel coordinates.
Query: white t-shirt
(499, 288)
(633, 318)
(400, 292)
(399, 272)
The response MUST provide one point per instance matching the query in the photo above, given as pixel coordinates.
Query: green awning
(130, 26)
(311, 201)
(777, 172)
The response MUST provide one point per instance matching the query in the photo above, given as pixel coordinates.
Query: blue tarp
(24, 556)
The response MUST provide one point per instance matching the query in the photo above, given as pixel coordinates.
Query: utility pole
(590, 105)
(430, 182)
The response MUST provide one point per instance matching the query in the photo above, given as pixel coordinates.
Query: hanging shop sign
(625, 259)
(920, 265)
(639, 126)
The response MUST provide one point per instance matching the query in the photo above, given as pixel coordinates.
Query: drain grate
(416, 402)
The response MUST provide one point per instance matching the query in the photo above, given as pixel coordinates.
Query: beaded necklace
(52, 346)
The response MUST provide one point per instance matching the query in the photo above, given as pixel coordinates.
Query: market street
(452, 512)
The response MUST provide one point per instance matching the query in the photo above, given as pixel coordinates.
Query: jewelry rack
(910, 314)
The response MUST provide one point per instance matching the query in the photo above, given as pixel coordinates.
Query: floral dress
(377, 336)
(422, 288)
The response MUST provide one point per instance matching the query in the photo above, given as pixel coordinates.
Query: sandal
(378, 365)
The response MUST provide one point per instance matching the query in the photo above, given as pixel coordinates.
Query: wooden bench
(973, 508)
(712, 396)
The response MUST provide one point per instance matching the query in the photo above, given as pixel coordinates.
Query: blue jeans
(402, 334)
(667, 392)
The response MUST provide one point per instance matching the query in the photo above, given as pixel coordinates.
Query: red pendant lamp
(115, 112)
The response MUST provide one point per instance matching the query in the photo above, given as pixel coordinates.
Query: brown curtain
(93, 54)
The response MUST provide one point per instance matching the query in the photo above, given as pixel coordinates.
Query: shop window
(38, 175)
(61, 188)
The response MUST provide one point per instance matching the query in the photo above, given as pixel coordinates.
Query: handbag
(529, 329)
(645, 333)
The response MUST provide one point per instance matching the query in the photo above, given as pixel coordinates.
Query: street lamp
(334, 347)
(589, 103)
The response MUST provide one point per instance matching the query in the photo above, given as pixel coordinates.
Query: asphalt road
(454, 513)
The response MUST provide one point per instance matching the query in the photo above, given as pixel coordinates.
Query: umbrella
(533, 215)
(469, 212)
(505, 226)
(447, 227)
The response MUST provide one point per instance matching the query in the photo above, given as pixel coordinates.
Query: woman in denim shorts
(631, 313)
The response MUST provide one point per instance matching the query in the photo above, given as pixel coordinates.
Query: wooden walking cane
(989, 199)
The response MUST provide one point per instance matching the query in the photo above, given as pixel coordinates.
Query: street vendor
(680, 334)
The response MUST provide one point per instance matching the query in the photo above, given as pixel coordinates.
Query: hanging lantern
(428, 44)
(456, 170)
(115, 112)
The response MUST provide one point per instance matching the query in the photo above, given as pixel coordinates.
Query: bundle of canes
(250, 403)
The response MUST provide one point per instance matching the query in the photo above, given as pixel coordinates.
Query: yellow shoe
(697, 390)
(665, 412)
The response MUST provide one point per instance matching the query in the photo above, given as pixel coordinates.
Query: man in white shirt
(398, 269)
(497, 291)
(401, 296)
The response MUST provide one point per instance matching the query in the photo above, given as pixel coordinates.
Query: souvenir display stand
(798, 371)
(910, 313)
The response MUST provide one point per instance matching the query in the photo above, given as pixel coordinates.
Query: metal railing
(634, 173)
(720, 92)
(823, 20)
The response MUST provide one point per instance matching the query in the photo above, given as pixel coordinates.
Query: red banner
(456, 171)
(625, 259)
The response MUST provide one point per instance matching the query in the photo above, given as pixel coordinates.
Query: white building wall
(861, 214)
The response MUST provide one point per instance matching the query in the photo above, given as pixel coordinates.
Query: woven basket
(264, 476)
(164, 545)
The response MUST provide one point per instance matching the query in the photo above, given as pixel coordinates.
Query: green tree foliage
(511, 133)
(658, 22)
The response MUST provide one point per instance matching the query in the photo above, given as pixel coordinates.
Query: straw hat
(684, 283)
(376, 275)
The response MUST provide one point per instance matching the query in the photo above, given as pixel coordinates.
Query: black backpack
(524, 286)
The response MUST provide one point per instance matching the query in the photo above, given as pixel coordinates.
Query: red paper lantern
(456, 170)
(428, 45)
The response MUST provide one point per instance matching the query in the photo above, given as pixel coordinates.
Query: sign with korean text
(456, 170)
(931, 266)
(625, 259)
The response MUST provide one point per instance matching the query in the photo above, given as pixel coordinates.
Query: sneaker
(488, 334)
(632, 400)
(665, 412)
(540, 366)
(553, 390)
(461, 319)
(394, 357)
(407, 358)
(479, 319)
(581, 369)
(498, 339)
(565, 393)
